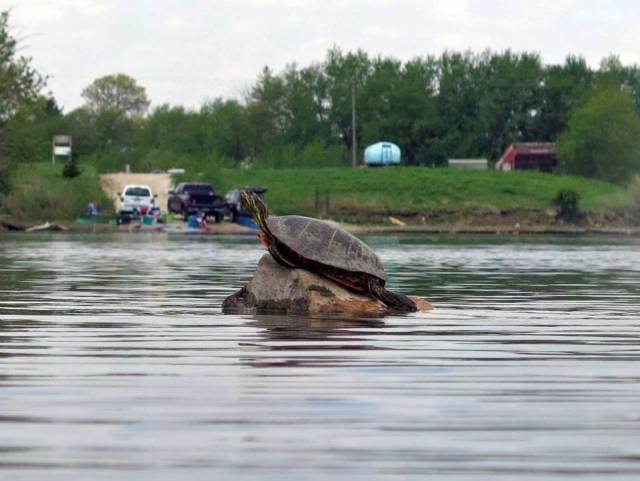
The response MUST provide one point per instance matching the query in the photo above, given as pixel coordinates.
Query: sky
(185, 52)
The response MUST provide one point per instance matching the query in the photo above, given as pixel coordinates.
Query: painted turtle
(325, 249)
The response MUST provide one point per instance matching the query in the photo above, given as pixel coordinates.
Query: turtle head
(255, 205)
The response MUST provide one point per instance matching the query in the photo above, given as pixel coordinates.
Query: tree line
(452, 105)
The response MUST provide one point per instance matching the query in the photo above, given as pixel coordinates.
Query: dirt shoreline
(495, 230)
(227, 228)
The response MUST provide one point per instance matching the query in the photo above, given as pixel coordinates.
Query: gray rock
(297, 291)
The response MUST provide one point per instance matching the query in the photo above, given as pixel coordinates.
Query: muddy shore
(227, 228)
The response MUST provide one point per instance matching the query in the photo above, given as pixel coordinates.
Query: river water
(117, 363)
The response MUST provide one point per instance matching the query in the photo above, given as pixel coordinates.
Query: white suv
(136, 198)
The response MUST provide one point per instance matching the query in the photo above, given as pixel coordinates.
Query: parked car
(234, 206)
(136, 199)
(196, 197)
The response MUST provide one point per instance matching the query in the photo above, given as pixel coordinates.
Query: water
(116, 363)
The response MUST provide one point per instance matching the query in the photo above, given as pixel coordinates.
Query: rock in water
(297, 291)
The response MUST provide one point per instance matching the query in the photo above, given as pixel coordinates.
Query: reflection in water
(116, 363)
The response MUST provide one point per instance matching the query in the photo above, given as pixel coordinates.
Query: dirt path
(160, 184)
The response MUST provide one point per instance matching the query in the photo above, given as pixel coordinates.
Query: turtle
(304, 242)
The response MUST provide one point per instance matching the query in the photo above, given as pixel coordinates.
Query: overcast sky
(186, 51)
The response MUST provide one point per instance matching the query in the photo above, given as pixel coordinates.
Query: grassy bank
(40, 192)
(366, 196)
(415, 189)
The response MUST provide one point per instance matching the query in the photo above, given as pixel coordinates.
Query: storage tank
(382, 153)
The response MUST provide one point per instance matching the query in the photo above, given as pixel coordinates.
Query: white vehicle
(136, 198)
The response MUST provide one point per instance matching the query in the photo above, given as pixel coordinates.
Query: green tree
(80, 124)
(341, 71)
(227, 124)
(510, 100)
(613, 73)
(111, 119)
(398, 104)
(460, 83)
(564, 87)
(116, 131)
(267, 111)
(20, 83)
(20, 86)
(603, 138)
(116, 92)
(306, 110)
(175, 129)
(110, 135)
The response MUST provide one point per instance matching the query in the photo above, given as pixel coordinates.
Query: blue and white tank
(381, 154)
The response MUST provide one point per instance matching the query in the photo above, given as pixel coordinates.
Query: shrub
(633, 193)
(30, 202)
(566, 200)
(71, 169)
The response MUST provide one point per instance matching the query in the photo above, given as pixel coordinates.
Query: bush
(29, 202)
(633, 193)
(566, 200)
(71, 169)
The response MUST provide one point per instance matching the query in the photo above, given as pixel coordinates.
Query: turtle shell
(325, 243)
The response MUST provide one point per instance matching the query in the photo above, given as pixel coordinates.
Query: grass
(416, 188)
(40, 192)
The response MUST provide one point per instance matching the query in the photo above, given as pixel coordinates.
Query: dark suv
(194, 197)
(234, 206)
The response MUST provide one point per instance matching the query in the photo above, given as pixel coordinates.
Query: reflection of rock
(277, 288)
(286, 327)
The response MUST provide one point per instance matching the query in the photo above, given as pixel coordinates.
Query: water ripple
(116, 363)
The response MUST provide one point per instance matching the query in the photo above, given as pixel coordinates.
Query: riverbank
(406, 199)
(39, 193)
(344, 192)
(227, 228)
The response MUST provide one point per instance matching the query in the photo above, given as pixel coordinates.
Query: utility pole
(354, 139)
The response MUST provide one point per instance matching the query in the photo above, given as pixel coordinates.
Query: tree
(304, 97)
(564, 88)
(342, 73)
(603, 139)
(226, 124)
(79, 123)
(613, 74)
(460, 90)
(116, 92)
(267, 112)
(175, 129)
(20, 85)
(111, 119)
(398, 104)
(510, 100)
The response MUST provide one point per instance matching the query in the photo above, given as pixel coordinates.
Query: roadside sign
(61, 147)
